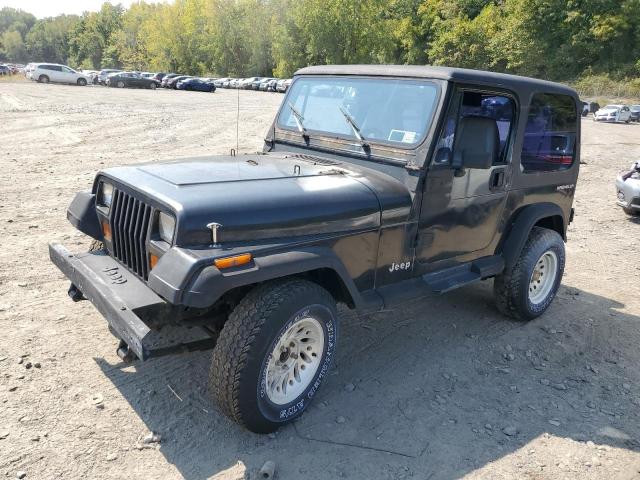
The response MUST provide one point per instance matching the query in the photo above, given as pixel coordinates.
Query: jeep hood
(257, 197)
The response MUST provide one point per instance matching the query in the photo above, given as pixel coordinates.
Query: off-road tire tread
(239, 333)
(507, 285)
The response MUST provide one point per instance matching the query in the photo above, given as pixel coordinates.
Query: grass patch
(603, 89)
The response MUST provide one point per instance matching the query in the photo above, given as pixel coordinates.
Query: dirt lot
(443, 388)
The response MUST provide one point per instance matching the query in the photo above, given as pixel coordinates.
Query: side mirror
(477, 143)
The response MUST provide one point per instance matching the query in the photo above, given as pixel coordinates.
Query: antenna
(238, 122)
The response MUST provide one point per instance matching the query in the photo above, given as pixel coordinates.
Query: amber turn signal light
(153, 260)
(106, 231)
(234, 261)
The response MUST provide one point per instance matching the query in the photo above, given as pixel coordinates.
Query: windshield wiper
(297, 116)
(354, 126)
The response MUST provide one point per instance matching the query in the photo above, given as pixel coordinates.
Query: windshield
(377, 109)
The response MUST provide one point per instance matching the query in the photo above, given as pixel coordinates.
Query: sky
(51, 8)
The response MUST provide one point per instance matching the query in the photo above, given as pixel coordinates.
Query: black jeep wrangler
(376, 184)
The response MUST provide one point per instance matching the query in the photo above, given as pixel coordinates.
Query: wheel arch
(544, 215)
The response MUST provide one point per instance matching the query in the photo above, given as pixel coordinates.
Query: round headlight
(166, 226)
(105, 194)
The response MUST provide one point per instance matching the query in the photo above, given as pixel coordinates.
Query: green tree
(48, 40)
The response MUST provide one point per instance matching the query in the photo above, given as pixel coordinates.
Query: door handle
(497, 179)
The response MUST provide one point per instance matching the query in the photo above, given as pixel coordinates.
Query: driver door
(462, 207)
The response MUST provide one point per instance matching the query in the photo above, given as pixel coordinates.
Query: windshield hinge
(412, 167)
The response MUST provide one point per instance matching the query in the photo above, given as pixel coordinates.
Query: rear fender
(547, 215)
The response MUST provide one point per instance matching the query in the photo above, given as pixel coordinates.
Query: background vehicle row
(112, 77)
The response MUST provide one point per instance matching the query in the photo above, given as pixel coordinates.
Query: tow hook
(125, 353)
(75, 294)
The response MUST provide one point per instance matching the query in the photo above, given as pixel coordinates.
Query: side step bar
(455, 277)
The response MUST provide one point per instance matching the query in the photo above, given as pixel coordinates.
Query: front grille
(130, 219)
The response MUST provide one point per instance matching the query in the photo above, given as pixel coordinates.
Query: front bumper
(135, 313)
(628, 193)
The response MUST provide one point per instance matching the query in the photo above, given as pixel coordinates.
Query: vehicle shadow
(436, 389)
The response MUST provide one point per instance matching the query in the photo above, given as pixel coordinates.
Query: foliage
(554, 39)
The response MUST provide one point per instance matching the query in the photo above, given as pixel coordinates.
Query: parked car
(247, 83)
(130, 80)
(168, 77)
(5, 70)
(262, 84)
(172, 82)
(56, 73)
(585, 109)
(255, 84)
(159, 76)
(269, 86)
(628, 190)
(251, 256)
(635, 113)
(594, 107)
(196, 84)
(102, 76)
(613, 113)
(92, 75)
(219, 81)
(28, 69)
(283, 85)
(228, 83)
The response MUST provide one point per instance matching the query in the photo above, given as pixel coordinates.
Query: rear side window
(549, 142)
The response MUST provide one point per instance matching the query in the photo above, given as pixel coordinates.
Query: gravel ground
(442, 388)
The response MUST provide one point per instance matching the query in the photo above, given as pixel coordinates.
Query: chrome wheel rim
(294, 360)
(543, 277)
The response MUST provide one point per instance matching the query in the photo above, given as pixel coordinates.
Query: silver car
(628, 189)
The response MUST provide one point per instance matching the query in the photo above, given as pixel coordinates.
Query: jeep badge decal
(399, 266)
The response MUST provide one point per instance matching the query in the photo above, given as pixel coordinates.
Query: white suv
(53, 72)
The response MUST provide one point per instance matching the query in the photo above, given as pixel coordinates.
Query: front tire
(81, 82)
(273, 353)
(526, 290)
(153, 86)
(120, 84)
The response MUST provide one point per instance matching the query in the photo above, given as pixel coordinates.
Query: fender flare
(208, 284)
(514, 240)
(82, 215)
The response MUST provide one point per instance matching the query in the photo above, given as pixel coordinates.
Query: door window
(550, 135)
(500, 108)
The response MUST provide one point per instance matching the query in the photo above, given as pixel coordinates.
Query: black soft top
(460, 75)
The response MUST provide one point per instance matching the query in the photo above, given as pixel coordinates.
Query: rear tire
(43, 79)
(526, 290)
(273, 353)
(631, 212)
